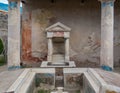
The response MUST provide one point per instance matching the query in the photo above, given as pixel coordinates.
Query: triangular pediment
(58, 27)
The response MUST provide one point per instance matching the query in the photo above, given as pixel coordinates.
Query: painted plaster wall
(83, 19)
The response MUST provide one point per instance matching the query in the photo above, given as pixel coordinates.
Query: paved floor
(7, 78)
(3, 68)
(109, 77)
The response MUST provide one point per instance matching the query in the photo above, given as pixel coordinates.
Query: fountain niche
(58, 46)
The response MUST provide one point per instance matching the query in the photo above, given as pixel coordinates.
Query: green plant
(78, 91)
(38, 81)
(1, 47)
(2, 57)
(43, 91)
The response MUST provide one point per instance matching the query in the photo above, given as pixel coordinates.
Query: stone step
(62, 55)
(58, 58)
(58, 55)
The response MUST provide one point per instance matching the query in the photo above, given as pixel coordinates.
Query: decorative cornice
(58, 27)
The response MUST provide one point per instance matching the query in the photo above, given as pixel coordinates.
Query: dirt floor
(7, 78)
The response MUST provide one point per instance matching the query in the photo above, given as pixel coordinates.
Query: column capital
(107, 0)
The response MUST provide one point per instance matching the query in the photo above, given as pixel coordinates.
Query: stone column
(14, 34)
(107, 29)
(50, 49)
(67, 50)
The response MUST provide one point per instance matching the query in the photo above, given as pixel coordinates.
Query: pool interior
(44, 83)
(73, 83)
(70, 82)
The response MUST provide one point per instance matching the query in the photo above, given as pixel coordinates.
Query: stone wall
(4, 27)
(83, 18)
(3, 20)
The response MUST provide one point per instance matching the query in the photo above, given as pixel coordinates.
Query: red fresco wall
(26, 41)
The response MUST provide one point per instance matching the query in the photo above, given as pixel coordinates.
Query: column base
(107, 68)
